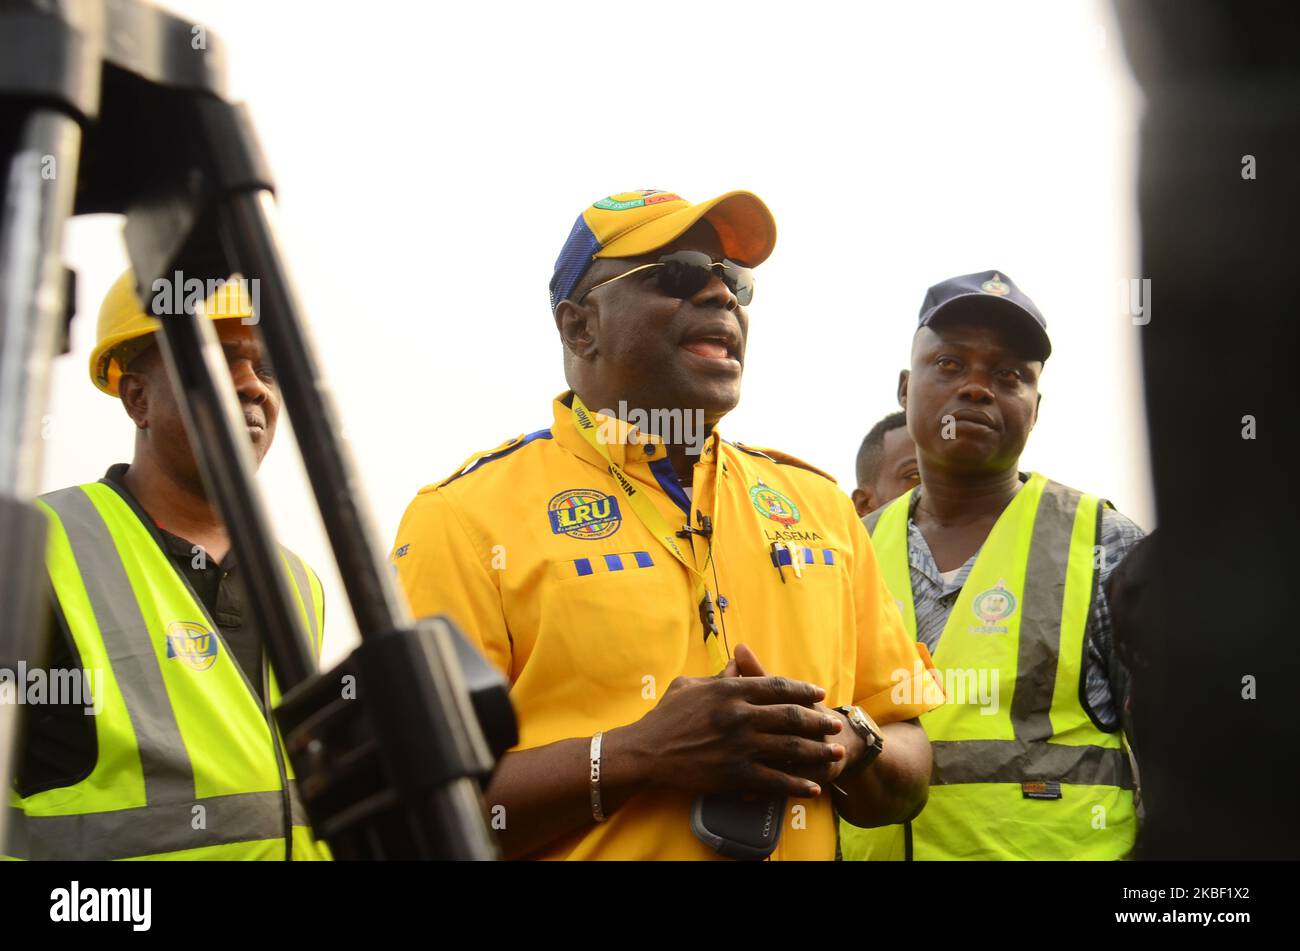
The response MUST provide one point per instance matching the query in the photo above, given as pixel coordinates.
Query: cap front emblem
(996, 286)
(637, 199)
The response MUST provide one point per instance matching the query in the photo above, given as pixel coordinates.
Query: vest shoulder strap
(312, 593)
(872, 519)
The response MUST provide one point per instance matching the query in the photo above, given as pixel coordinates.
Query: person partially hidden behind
(886, 464)
(180, 758)
(607, 563)
(1001, 573)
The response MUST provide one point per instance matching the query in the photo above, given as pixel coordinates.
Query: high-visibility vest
(188, 764)
(1028, 774)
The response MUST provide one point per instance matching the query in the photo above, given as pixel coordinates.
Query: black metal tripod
(115, 106)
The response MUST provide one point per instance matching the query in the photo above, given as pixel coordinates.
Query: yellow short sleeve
(894, 678)
(443, 571)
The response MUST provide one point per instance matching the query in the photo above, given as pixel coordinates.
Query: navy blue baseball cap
(987, 294)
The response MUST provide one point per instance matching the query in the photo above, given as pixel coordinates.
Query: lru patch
(584, 513)
(1040, 790)
(192, 644)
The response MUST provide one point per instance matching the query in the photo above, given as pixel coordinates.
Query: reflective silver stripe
(1018, 761)
(151, 830)
(297, 809)
(299, 572)
(1040, 618)
(164, 761)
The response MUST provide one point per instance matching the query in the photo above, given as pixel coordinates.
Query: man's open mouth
(714, 349)
(720, 343)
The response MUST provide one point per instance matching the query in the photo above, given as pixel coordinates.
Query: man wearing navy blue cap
(999, 573)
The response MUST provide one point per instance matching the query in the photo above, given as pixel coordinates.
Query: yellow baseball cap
(629, 224)
(123, 323)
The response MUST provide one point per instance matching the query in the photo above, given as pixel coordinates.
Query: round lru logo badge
(192, 644)
(770, 503)
(584, 513)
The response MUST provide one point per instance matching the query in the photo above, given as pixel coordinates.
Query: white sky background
(431, 159)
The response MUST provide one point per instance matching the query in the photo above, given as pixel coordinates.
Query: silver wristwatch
(871, 734)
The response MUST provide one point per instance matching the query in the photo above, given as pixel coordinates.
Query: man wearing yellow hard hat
(173, 753)
(702, 654)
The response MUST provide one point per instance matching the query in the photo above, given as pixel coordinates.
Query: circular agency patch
(192, 643)
(772, 504)
(584, 513)
(995, 604)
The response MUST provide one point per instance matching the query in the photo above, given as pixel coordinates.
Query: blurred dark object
(1135, 613)
(1219, 200)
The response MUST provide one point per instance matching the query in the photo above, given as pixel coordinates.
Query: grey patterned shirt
(1105, 677)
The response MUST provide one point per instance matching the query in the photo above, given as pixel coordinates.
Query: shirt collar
(115, 478)
(626, 442)
(922, 559)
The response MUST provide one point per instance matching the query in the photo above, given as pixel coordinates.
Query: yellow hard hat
(122, 319)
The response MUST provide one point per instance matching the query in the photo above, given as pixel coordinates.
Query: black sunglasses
(685, 273)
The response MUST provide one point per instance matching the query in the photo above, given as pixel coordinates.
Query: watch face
(862, 722)
(866, 717)
(866, 728)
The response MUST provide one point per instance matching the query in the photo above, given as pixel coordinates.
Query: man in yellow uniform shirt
(637, 577)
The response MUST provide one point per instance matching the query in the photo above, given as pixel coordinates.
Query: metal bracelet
(597, 812)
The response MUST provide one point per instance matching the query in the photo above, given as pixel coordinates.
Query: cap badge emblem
(638, 199)
(996, 286)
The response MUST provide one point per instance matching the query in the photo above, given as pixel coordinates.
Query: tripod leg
(326, 456)
(451, 817)
(40, 182)
(210, 408)
(416, 730)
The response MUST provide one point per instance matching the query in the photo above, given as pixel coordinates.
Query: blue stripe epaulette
(781, 458)
(480, 459)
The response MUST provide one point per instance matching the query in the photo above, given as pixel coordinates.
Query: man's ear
(863, 502)
(903, 376)
(133, 390)
(577, 325)
(1038, 404)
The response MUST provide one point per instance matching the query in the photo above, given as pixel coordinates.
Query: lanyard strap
(645, 511)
